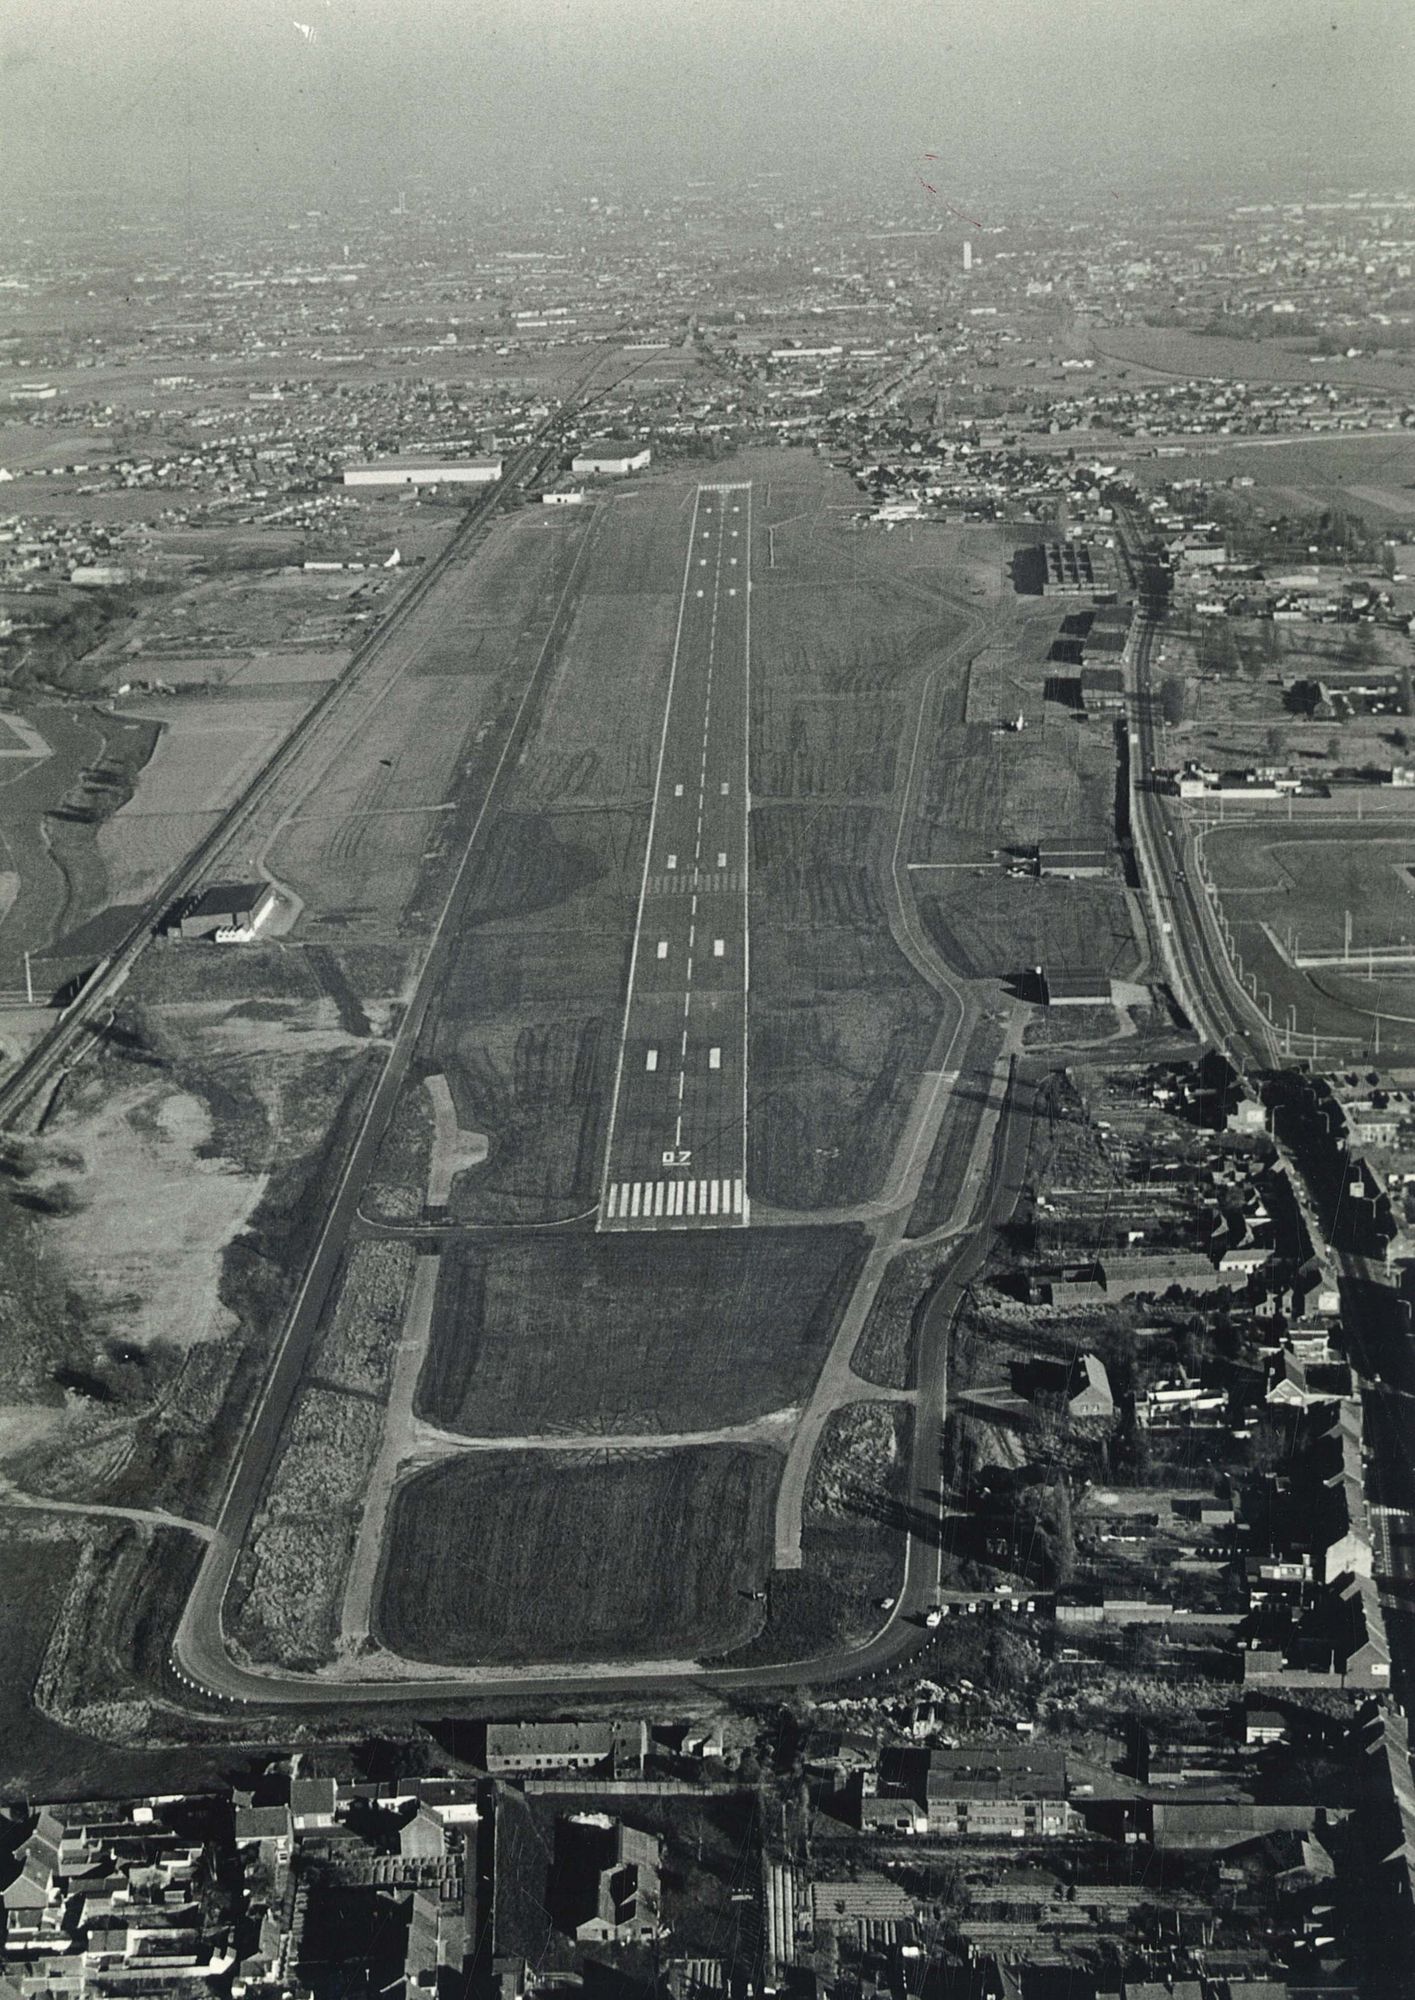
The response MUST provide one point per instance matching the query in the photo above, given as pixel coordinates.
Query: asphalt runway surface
(677, 1152)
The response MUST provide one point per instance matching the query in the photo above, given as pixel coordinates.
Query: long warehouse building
(424, 472)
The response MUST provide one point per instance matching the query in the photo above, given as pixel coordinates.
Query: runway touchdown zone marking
(687, 992)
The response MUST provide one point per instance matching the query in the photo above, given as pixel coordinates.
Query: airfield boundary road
(703, 742)
(677, 1152)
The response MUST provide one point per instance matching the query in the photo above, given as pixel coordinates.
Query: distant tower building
(967, 256)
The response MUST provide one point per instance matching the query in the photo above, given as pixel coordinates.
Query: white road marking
(724, 1196)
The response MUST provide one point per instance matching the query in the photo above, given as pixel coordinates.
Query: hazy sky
(171, 97)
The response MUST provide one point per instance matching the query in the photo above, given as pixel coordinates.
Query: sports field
(1286, 890)
(525, 1557)
(684, 1332)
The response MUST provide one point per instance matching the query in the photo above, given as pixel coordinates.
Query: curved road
(204, 1663)
(199, 1647)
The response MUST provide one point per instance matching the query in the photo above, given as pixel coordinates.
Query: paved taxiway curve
(677, 1152)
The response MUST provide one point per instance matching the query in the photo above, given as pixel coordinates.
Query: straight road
(677, 1151)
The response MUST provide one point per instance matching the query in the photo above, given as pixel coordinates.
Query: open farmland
(672, 1332)
(394, 807)
(1285, 889)
(206, 754)
(1177, 351)
(1372, 476)
(634, 1555)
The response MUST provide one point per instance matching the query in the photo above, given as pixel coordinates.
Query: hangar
(228, 912)
(412, 471)
(610, 455)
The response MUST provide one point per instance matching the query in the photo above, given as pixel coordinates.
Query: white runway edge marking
(632, 1201)
(629, 1201)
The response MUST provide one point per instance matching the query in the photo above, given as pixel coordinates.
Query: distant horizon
(192, 106)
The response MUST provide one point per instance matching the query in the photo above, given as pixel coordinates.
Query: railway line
(72, 1033)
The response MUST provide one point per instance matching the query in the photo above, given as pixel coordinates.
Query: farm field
(206, 754)
(680, 1331)
(1372, 476)
(1299, 880)
(636, 1555)
(1177, 351)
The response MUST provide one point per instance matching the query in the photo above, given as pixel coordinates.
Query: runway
(677, 1151)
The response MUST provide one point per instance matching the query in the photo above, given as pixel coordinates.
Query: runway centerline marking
(685, 1127)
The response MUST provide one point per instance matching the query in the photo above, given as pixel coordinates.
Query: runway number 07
(677, 1157)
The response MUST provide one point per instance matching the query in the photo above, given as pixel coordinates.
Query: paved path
(398, 1425)
(429, 1442)
(838, 1382)
(150, 1517)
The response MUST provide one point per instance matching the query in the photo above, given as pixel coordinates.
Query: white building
(608, 455)
(425, 472)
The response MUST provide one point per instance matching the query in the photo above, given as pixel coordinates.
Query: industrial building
(1074, 569)
(989, 1792)
(415, 471)
(228, 912)
(565, 1746)
(1102, 690)
(612, 456)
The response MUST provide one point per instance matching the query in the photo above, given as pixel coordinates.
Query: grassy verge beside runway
(525, 1557)
(670, 1331)
(840, 1025)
